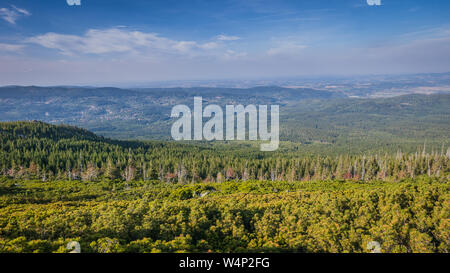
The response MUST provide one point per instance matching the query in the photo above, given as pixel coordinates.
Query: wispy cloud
(232, 55)
(129, 55)
(122, 40)
(11, 15)
(286, 48)
(10, 47)
(227, 38)
(20, 10)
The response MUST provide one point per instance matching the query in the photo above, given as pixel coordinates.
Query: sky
(100, 42)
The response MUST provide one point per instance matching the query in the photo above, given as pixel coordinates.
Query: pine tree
(111, 171)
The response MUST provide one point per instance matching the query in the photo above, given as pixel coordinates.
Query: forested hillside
(384, 124)
(42, 151)
(62, 183)
(237, 128)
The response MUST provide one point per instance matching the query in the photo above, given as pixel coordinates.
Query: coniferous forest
(61, 183)
(227, 136)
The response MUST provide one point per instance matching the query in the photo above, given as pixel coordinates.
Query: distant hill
(269, 92)
(307, 116)
(382, 122)
(139, 113)
(38, 129)
(272, 93)
(400, 105)
(36, 92)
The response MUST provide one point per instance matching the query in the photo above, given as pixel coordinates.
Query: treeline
(31, 151)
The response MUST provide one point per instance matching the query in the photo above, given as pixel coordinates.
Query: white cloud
(10, 47)
(20, 10)
(232, 55)
(286, 48)
(132, 58)
(210, 45)
(227, 38)
(120, 40)
(12, 14)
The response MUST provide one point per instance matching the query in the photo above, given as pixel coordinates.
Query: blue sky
(100, 42)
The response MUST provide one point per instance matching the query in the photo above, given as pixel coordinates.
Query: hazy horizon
(245, 83)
